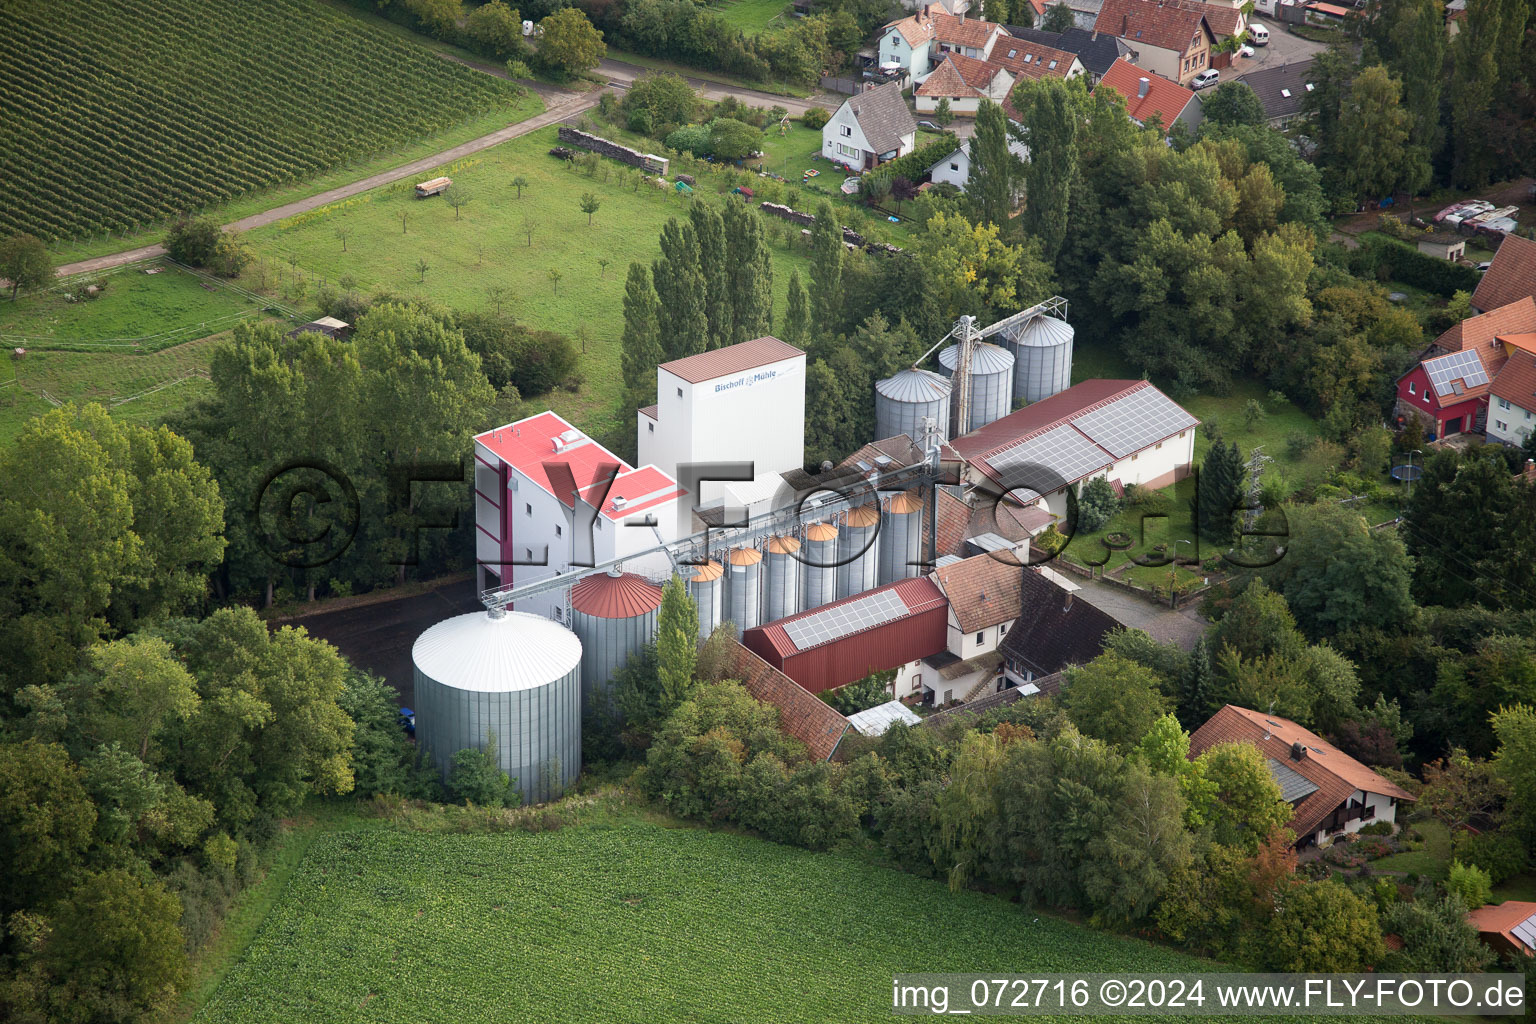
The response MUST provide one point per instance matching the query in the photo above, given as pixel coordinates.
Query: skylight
(1286, 93)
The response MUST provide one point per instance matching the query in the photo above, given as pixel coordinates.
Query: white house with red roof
(1149, 95)
(917, 43)
(744, 404)
(1124, 430)
(548, 497)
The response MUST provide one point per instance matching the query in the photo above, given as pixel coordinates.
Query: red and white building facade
(549, 498)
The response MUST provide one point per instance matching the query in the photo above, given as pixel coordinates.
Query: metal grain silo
(901, 537)
(1042, 357)
(708, 593)
(818, 566)
(903, 401)
(511, 674)
(783, 590)
(744, 583)
(614, 615)
(858, 551)
(991, 382)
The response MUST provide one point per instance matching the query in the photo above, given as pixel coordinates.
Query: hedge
(1403, 262)
(916, 163)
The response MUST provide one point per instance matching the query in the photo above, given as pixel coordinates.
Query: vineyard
(622, 922)
(122, 113)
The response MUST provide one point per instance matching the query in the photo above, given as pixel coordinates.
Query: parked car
(930, 126)
(1245, 51)
(1205, 79)
(1453, 208)
(1484, 265)
(1258, 35)
(1473, 208)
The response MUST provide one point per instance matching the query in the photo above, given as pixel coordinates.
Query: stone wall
(851, 238)
(623, 154)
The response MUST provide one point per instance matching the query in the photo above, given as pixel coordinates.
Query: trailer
(434, 187)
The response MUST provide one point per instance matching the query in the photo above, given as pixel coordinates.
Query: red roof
(984, 590)
(1501, 919)
(1166, 25)
(960, 75)
(1032, 60)
(954, 516)
(1163, 97)
(1482, 331)
(1516, 382)
(1041, 416)
(731, 359)
(919, 595)
(1335, 774)
(620, 596)
(802, 714)
(539, 445)
(1460, 392)
(1511, 277)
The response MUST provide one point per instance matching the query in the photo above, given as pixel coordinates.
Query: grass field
(752, 16)
(487, 245)
(622, 921)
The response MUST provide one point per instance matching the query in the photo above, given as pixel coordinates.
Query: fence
(623, 154)
(846, 86)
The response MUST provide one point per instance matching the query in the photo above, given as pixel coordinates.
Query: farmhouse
(985, 593)
(869, 129)
(1055, 630)
(1148, 95)
(1510, 278)
(1170, 38)
(1331, 793)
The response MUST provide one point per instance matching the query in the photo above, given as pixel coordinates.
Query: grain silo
(1042, 357)
(901, 537)
(509, 674)
(991, 382)
(904, 400)
(708, 593)
(818, 566)
(743, 586)
(858, 551)
(614, 615)
(783, 589)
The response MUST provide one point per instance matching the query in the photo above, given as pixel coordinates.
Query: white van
(1258, 35)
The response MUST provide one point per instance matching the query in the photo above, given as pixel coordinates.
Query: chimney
(1530, 471)
(1125, 24)
(1143, 84)
(1067, 604)
(1298, 751)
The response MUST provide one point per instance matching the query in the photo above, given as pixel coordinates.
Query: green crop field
(622, 922)
(487, 245)
(121, 113)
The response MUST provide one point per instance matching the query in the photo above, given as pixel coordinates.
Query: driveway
(1183, 626)
(622, 74)
(1283, 48)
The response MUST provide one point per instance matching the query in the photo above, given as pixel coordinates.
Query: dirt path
(572, 104)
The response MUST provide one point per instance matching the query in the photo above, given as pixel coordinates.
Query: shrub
(691, 138)
(1499, 854)
(1097, 506)
(476, 778)
(1470, 884)
(815, 118)
(1386, 258)
(1376, 828)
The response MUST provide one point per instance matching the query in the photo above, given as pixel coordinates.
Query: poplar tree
(994, 170)
(797, 313)
(641, 343)
(679, 283)
(827, 254)
(749, 271)
(1049, 131)
(677, 645)
(709, 232)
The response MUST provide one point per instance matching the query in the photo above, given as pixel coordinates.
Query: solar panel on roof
(1132, 423)
(1525, 931)
(1043, 464)
(837, 621)
(1464, 366)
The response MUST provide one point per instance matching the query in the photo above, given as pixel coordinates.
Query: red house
(1448, 393)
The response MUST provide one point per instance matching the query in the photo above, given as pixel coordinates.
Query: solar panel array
(1525, 931)
(837, 621)
(1293, 785)
(1132, 423)
(1463, 366)
(1047, 462)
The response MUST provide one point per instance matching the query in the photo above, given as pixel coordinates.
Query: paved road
(622, 74)
(1166, 625)
(1283, 48)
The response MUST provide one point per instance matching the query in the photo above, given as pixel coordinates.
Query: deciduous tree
(568, 44)
(25, 262)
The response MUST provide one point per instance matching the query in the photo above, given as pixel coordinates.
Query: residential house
(1482, 332)
(955, 169)
(964, 82)
(1448, 394)
(985, 594)
(1510, 278)
(955, 7)
(1124, 430)
(1512, 407)
(1455, 17)
(1281, 90)
(916, 44)
(1055, 629)
(1095, 51)
(1331, 794)
(869, 129)
(1508, 927)
(1171, 38)
(1025, 58)
(1148, 95)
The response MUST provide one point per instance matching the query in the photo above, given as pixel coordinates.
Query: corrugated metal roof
(874, 721)
(496, 654)
(732, 359)
(914, 386)
(620, 596)
(1041, 332)
(985, 358)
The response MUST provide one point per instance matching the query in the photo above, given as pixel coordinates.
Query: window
(651, 427)
(1426, 396)
(1503, 403)
(981, 637)
(847, 131)
(1158, 445)
(527, 510)
(1053, 65)
(559, 530)
(529, 553)
(599, 524)
(1135, 457)
(850, 151)
(679, 392)
(1412, 388)
(1501, 424)
(1012, 54)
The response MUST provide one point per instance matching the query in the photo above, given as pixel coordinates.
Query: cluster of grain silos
(991, 382)
(818, 568)
(858, 550)
(614, 615)
(904, 401)
(743, 591)
(782, 597)
(509, 682)
(1042, 357)
(707, 588)
(901, 538)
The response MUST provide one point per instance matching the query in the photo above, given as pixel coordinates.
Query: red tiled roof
(919, 28)
(1166, 25)
(1223, 20)
(953, 516)
(1482, 331)
(648, 411)
(802, 714)
(1516, 382)
(529, 446)
(1501, 919)
(948, 80)
(1524, 342)
(621, 596)
(1032, 60)
(1335, 773)
(1511, 277)
(919, 595)
(1163, 97)
(731, 359)
(984, 590)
